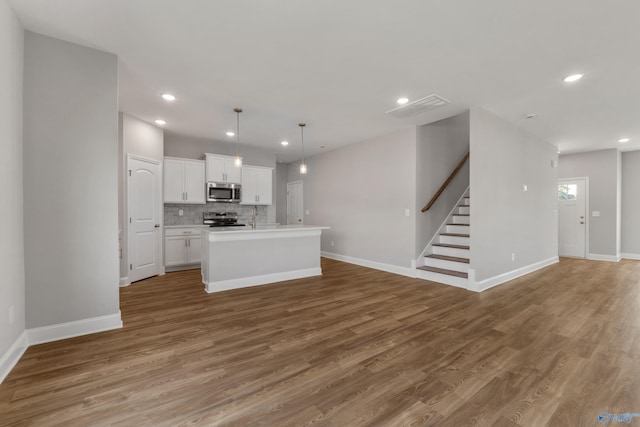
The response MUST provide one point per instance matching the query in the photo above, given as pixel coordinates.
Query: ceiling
(340, 65)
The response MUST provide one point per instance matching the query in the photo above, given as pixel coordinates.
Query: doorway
(144, 214)
(294, 202)
(572, 217)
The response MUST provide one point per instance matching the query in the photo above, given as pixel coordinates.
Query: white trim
(11, 357)
(124, 281)
(443, 225)
(73, 329)
(600, 257)
(244, 282)
(630, 256)
(403, 271)
(510, 275)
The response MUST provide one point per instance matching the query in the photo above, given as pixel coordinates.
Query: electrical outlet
(513, 256)
(407, 212)
(332, 243)
(12, 315)
(180, 212)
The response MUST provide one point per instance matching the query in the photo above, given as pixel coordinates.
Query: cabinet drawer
(183, 231)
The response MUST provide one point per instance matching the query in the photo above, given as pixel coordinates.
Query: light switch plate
(595, 213)
(407, 212)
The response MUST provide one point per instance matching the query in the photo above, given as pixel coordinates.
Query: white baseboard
(630, 256)
(599, 257)
(483, 285)
(13, 355)
(404, 271)
(73, 329)
(244, 282)
(124, 281)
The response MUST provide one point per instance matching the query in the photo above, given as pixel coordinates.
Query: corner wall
(70, 188)
(630, 235)
(602, 168)
(362, 191)
(12, 285)
(506, 220)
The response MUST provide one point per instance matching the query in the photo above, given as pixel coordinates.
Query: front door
(294, 202)
(144, 214)
(572, 218)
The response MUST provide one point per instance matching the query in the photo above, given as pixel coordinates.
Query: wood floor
(354, 347)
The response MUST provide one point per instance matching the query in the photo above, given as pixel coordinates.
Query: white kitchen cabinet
(182, 247)
(184, 181)
(222, 169)
(257, 186)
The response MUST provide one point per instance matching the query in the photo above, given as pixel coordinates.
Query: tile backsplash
(192, 214)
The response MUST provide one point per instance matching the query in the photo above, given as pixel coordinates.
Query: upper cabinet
(257, 186)
(184, 181)
(222, 169)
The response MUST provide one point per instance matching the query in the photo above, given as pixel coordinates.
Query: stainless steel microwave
(223, 192)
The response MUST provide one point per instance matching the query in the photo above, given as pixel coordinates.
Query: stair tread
(444, 271)
(448, 258)
(448, 245)
(455, 234)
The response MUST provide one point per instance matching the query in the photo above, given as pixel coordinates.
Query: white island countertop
(237, 257)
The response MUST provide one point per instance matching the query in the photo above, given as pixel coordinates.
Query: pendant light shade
(238, 161)
(303, 165)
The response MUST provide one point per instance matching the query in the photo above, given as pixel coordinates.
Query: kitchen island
(237, 257)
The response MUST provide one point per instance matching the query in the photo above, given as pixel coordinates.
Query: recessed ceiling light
(623, 140)
(161, 122)
(573, 78)
(402, 101)
(285, 143)
(230, 133)
(168, 97)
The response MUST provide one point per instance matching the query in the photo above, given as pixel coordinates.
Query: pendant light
(238, 161)
(303, 165)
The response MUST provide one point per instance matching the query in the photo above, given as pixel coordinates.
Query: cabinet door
(175, 250)
(264, 186)
(173, 181)
(195, 250)
(232, 173)
(194, 184)
(215, 168)
(249, 194)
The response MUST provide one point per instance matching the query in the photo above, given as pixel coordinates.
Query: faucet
(253, 218)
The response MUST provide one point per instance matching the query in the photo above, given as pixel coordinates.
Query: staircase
(446, 259)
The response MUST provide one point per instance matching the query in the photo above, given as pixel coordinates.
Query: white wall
(70, 182)
(361, 191)
(139, 138)
(504, 219)
(12, 285)
(280, 191)
(602, 169)
(631, 204)
(440, 147)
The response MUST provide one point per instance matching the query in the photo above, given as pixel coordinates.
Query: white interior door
(144, 203)
(572, 218)
(294, 202)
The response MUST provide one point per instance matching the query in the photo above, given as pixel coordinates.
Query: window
(567, 191)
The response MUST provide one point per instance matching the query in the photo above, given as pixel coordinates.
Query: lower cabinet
(182, 247)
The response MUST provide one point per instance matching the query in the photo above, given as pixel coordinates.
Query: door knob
(299, 220)
(581, 222)
(581, 217)
(157, 226)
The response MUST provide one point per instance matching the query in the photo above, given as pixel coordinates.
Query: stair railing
(448, 180)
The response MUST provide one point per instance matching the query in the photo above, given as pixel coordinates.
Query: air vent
(419, 106)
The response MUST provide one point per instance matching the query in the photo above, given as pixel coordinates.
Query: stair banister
(444, 185)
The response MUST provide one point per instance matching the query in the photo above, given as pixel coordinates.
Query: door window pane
(567, 191)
